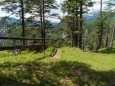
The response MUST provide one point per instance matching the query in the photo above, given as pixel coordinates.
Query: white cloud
(3, 14)
(53, 20)
(59, 1)
(96, 6)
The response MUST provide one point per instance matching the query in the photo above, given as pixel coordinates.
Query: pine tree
(33, 7)
(75, 10)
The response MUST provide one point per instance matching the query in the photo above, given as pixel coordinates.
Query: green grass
(73, 68)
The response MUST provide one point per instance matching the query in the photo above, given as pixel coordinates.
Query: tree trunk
(77, 27)
(41, 20)
(44, 34)
(73, 34)
(23, 22)
(101, 28)
(107, 35)
(74, 28)
(112, 39)
(81, 33)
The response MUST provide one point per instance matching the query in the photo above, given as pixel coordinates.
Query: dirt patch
(57, 55)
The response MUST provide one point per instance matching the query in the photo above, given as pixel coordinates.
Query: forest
(78, 50)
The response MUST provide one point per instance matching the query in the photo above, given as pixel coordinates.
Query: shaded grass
(73, 68)
(107, 51)
(62, 73)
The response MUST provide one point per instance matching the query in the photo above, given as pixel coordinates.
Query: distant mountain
(54, 23)
(14, 20)
(11, 20)
(91, 16)
(87, 17)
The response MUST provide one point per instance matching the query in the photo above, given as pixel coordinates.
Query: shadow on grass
(62, 73)
(107, 51)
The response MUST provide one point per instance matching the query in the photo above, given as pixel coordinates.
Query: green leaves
(76, 32)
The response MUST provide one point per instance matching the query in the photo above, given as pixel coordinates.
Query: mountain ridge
(89, 16)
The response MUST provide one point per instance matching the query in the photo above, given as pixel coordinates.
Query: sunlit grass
(98, 61)
(25, 56)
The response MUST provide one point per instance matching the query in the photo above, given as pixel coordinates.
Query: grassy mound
(73, 68)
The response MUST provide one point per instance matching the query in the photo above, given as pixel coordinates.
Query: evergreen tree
(74, 10)
(33, 7)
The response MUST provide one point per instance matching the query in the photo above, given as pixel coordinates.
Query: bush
(5, 53)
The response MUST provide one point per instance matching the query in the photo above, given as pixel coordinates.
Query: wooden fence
(41, 43)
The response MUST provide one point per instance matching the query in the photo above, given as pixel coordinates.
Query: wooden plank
(19, 38)
(20, 47)
(35, 46)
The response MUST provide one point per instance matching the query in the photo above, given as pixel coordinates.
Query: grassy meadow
(72, 67)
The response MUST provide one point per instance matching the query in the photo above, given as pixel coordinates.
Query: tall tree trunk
(107, 35)
(101, 28)
(44, 26)
(73, 29)
(81, 33)
(112, 39)
(41, 20)
(73, 34)
(23, 22)
(77, 27)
